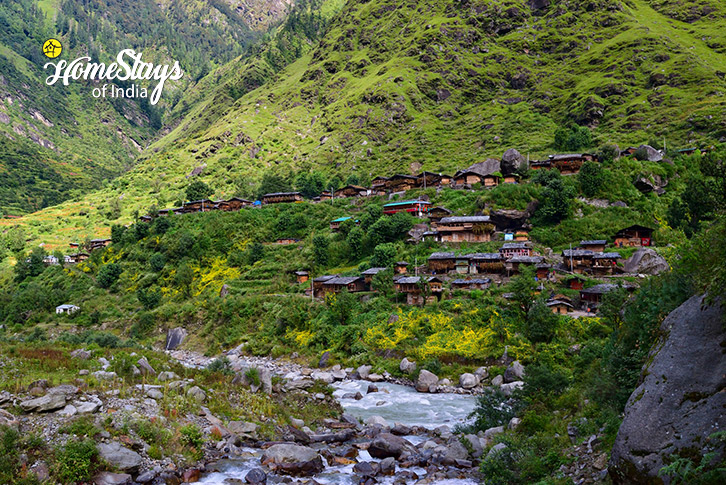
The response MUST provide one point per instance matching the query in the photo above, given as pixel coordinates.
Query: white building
(69, 309)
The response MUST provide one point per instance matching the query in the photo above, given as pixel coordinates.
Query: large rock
(427, 381)
(512, 161)
(197, 394)
(538, 4)
(647, 152)
(174, 338)
(680, 400)
(387, 444)
(646, 261)
(468, 381)
(145, 367)
(119, 456)
(293, 459)
(364, 371)
(407, 366)
(514, 372)
(49, 402)
(108, 478)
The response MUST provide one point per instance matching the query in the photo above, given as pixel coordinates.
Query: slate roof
(600, 289)
(594, 242)
(442, 256)
(373, 271)
(577, 253)
(464, 219)
(607, 256)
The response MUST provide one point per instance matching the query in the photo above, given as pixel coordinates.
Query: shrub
(492, 409)
(573, 138)
(197, 190)
(541, 323)
(544, 381)
(191, 436)
(384, 255)
(253, 374)
(590, 178)
(157, 261)
(76, 460)
(108, 274)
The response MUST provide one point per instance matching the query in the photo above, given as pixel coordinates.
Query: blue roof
(407, 202)
(340, 219)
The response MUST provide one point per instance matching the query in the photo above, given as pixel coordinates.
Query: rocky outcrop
(651, 183)
(388, 445)
(174, 338)
(680, 400)
(293, 459)
(647, 152)
(407, 366)
(512, 161)
(119, 456)
(646, 261)
(427, 381)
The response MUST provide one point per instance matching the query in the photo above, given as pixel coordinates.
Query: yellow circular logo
(52, 48)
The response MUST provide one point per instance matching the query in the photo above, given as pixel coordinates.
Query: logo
(52, 48)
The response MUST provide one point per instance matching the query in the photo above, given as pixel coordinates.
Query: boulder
(224, 291)
(538, 4)
(387, 466)
(365, 469)
(512, 161)
(364, 371)
(427, 381)
(651, 183)
(481, 373)
(49, 402)
(496, 449)
(324, 359)
(242, 428)
(69, 410)
(510, 218)
(87, 407)
(646, 261)
(475, 444)
(256, 476)
(510, 387)
(7, 419)
(371, 388)
(166, 376)
(197, 394)
(388, 444)
(514, 372)
(376, 421)
(154, 393)
(326, 377)
(266, 380)
(400, 429)
(108, 478)
(455, 451)
(119, 456)
(445, 382)
(679, 402)
(407, 366)
(647, 152)
(145, 367)
(174, 338)
(375, 377)
(81, 354)
(292, 460)
(498, 381)
(339, 374)
(104, 375)
(468, 381)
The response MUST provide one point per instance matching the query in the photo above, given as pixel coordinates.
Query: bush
(197, 190)
(384, 255)
(108, 274)
(590, 178)
(191, 436)
(544, 381)
(573, 138)
(492, 409)
(157, 261)
(76, 460)
(541, 323)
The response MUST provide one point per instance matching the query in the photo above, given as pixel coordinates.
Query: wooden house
(412, 286)
(467, 178)
(485, 263)
(74, 245)
(570, 163)
(522, 235)
(596, 246)
(472, 284)
(370, 273)
(462, 264)
(559, 307)
(164, 212)
(442, 262)
(146, 219)
(351, 284)
(351, 191)
(509, 250)
(232, 205)
(574, 282)
(325, 195)
(401, 267)
(435, 214)
(335, 223)
(318, 285)
(512, 178)
(542, 271)
(302, 277)
(628, 151)
(604, 263)
(94, 244)
(285, 241)
(540, 165)
(592, 297)
(634, 236)
(203, 205)
(401, 183)
(491, 180)
(431, 179)
(515, 262)
(465, 229)
(577, 260)
(378, 184)
(282, 197)
(417, 208)
(76, 258)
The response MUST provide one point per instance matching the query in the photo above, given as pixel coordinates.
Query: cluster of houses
(78, 256)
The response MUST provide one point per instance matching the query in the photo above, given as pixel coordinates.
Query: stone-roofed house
(596, 245)
(577, 260)
(471, 284)
(605, 263)
(370, 273)
(442, 262)
(352, 284)
(509, 250)
(465, 229)
(486, 263)
(282, 197)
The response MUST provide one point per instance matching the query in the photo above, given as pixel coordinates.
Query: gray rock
(339, 375)
(174, 338)
(108, 478)
(475, 444)
(104, 376)
(387, 466)
(514, 372)
(365, 469)
(498, 448)
(445, 382)
(407, 366)
(83, 372)
(197, 394)
(242, 428)
(119, 456)
(69, 410)
(491, 432)
(455, 451)
(49, 402)
(650, 153)
(364, 371)
(481, 373)
(376, 421)
(375, 377)
(266, 380)
(256, 477)
(498, 381)
(323, 362)
(509, 388)
(326, 377)
(514, 423)
(468, 381)
(512, 161)
(680, 399)
(224, 291)
(646, 261)
(81, 354)
(292, 459)
(7, 419)
(166, 376)
(65, 389)
(145, 367)
(538, 4)
(427, 381)
(400, 429)
(297, 422)
(154, 394)
(146, 477)
(387, 444)
(87, 407)
(371, 388)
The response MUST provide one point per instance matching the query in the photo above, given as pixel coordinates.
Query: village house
(352, 284)
(511, 178)
(596, 246)
(302, 277)
(413, 287)
(94, 244)
(628, 151)
(285, 241)
(318, 282)
(569, 164)
(324, 196)
(592, 297)
(370, 273)
(485, 263)
(204, 205)
(335, 223)
(145, 219)
(472, 284)
(577, 260)
(465, 229)
(351, 191)
(417, 208)
(76, 258)
(491, 180)
(50, 260)
(232, 205)
(67, 309)
(435, 214)
(401, 267)
(509, 250)
(378, 185)
(74, 245)
(442, 262)
(522, 235)
(634, 236)
(467, 178)
(604, 263)
(164, 212)
(574, 282)
(282, 197)
(401, 183)
(430, 179)
(462, 264)
(540, 165)
(542, 271)
(515, 262)
(559, 307)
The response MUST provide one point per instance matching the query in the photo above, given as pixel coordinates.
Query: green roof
(407, 202)
(340, 219)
